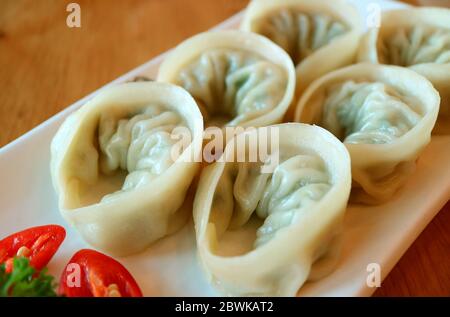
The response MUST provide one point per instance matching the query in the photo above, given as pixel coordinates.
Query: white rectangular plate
(169, 268)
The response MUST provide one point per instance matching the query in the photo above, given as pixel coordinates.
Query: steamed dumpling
(382, 118)
(296, 184)
(417, 38)
(301, 34)
(415, 45)
(237, 78)
(252, 86)
(289, 217)
(319, 35)
(138, 143)
(118, 167)
(368, 113)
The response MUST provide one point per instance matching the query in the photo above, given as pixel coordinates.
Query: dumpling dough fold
(119, 168)
(237, 78)
(417, 38)
(266, 232)
(319, 35)
(383, 114)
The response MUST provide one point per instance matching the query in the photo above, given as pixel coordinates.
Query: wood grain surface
(46, 66)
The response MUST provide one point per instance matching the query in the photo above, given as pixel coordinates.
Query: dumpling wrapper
(265, 234)
(319, 35)
(237, 78)
(417, 38)
(112, 165)
(383, 114)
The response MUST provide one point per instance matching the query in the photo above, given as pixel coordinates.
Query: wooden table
(45, 66)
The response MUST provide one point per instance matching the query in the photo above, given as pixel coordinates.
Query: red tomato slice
(92, 274)
(39, 244)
